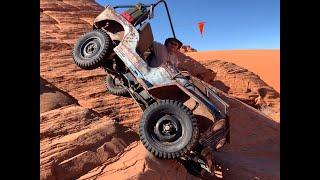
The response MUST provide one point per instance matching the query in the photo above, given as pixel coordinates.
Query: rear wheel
(168, 129)
(92, 49)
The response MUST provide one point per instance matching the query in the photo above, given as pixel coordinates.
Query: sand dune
(265, 63)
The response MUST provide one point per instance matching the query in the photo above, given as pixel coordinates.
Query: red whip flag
(201, 26)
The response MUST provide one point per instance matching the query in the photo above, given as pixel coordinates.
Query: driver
(166, 55)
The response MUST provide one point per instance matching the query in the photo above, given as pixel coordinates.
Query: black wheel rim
(90, 47)
(118, 81)
(167, 129)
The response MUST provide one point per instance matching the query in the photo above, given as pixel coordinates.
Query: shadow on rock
(254, 149)
(220, 85)
(195, 68)
(52, 98)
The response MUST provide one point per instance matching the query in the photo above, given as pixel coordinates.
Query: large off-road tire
(92, 49)
(168, 129)
(114, 87)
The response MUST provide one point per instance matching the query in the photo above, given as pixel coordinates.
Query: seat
(145, 40)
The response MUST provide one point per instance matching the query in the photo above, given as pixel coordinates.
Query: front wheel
(115, 85)
(168, 129)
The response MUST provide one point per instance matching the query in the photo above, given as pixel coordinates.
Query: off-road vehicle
(121, 42)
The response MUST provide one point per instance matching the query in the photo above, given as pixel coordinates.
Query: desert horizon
(263, 62)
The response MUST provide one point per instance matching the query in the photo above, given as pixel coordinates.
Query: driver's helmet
(173, 39)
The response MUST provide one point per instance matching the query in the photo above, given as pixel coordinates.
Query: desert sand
(265, 63)
(88, 133)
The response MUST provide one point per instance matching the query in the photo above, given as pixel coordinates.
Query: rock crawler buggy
(169, 128)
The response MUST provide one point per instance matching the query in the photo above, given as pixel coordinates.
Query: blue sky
(229, 24)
